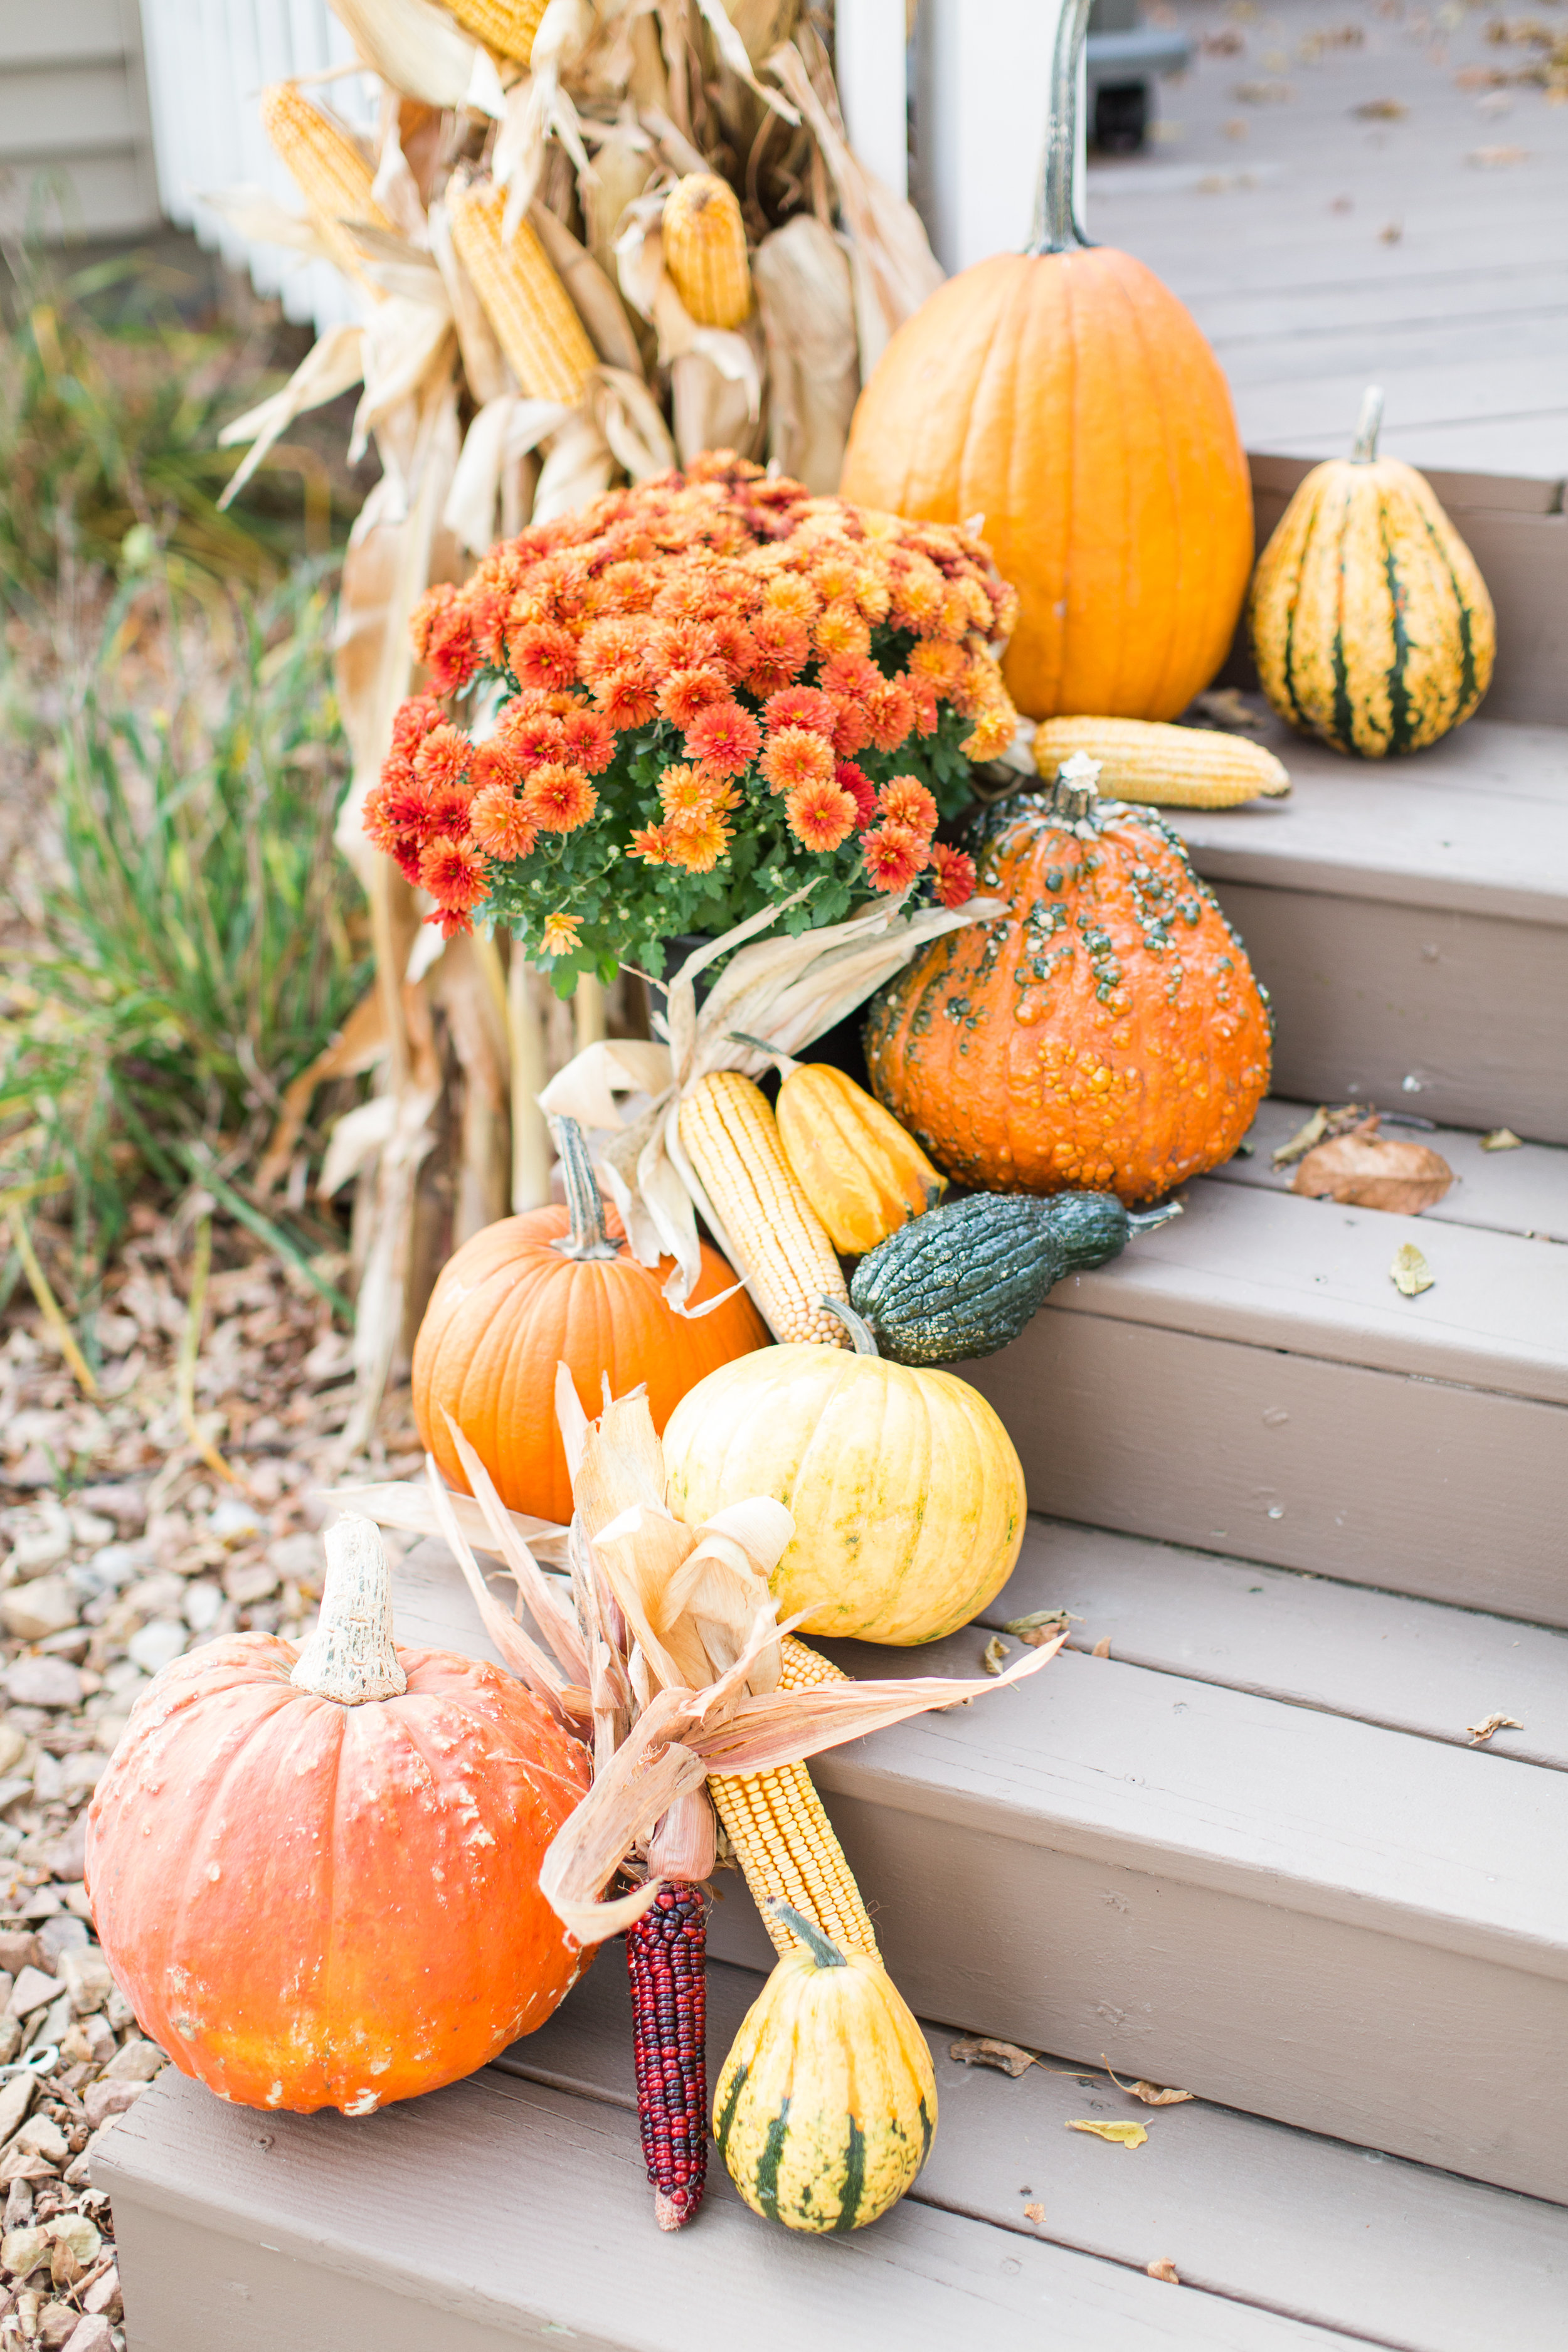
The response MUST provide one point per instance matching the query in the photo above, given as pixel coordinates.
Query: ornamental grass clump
(688, 703)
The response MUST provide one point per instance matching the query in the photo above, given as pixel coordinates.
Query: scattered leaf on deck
(1324, 1124)
(994, 1656)
(1040, 1626)
(1036, 2213)
(1366, 1170)
(1163, 2267)
(1410, 1272)
(1381, 109)
(1102, 1647)
(1497, 159)
(1149, 2093)
(1120, 2134)
(1482, 1732)
(981, 2049)
(1502, 1139)
(1223, 706)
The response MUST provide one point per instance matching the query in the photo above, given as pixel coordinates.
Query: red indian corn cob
(665, 1954)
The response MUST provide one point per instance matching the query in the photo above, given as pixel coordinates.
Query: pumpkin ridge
(854, 2188)
(1467, 695)
(768, 2163)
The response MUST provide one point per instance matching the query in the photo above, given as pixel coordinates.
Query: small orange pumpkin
(1106, 1034)
(559, 1285)
(315, 1875)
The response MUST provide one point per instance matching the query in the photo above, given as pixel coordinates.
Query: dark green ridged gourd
(964, 1279)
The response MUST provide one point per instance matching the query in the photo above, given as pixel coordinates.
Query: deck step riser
(1368, 994)
(1445, 1492)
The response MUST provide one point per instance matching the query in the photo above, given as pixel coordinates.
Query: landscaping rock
(92, 2333)
(248, 1582)
(135, 2062)
(30, 1991)
(28, 1611)
(84, 1973)
(44, 1682)
(103, 2099)
(45, 2138)
(158, 1644)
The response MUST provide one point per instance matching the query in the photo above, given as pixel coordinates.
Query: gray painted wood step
(502, 2211)
(1410, 919)
(1320, 1920)
(1247, 1380)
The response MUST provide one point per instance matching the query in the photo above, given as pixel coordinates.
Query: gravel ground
(120, 1549)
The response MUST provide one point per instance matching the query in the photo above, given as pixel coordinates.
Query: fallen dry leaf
(981, 2049)
(1497, 159)
(1366, 1170)
(994, 1656)
(1040, 1626)
(1482, 1732)
(1381, 109)
(1102, 1647)
(1036, 2213)
(1120, 2134)
(1149, 2093)
(1324, 1124)
(1502, 1139)
(1223, 706)
(1391, 232)
(1410, 1272)
(1163, 2267)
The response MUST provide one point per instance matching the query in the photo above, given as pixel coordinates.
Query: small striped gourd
(862, 1173)
(1172, 767)
(965, 1280)
(1371, 623)
(826, 2105)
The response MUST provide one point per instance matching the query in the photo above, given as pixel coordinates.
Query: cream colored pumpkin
(907, 1492)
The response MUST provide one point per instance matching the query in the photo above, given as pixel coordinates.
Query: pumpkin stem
(785, 1064)
(1369, 427)
(1077, 788)
(859, 1330)
(1143, 1221)
(825, 1955)
(350, 1656)
(1055, 228)
(586, 1238)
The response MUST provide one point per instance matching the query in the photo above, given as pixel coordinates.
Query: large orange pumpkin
(1106, 1034)
(315, 1875)
(1066, 396)
(559, 1285)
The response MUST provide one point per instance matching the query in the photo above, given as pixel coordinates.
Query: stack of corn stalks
(589, 240)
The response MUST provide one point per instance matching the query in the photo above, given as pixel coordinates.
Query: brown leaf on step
(1040, 1626)
(1497, 159)
(1324, 1124)
(1163, 2267)
(1410, 1272)
(981, 2049)
(994, 1656)
(1149, 2093)
(1036, 2213)
(1502, 1139)
(1366, 1170)
(1120, 2134)
(1381, 109)
(1482, 1732)
(1102, 1647)
(1223, 706)
(1391, 232)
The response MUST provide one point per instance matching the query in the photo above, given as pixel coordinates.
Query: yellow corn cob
(729, 1133)
(329, 173)
(525, 300)
(705, 250)
(783, 1840)
(1176, 767)
(507, 25)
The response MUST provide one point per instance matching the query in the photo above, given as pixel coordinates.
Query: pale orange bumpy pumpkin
(315, 1875)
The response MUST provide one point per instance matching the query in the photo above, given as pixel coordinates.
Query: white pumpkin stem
(1369, 427)
(1055, 228)
(785, 1064)
(350, 1656)
(859, 1330)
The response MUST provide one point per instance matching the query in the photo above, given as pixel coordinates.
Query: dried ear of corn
(705, 250)
(729, 1133)
(806, 299)
(782, 1838)
(329, 173)
(1174, 767)
(524, 299)
(506, 25)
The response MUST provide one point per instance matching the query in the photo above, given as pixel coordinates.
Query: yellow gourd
(863, 1173)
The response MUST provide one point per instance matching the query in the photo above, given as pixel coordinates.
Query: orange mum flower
(560, 798)
(698, 842)
(862, 790)
(686, 692)
(735, 649)
(626, 697)
(560, 933)
(840, 629)
(954, 875)
(447, 810)
(794, 757)
(687, 791)
(651, 843)
(630, 584)
(589, 740)
(937, 661)
(678, 645)
(542, 652)
(417, 717)
(500, 824)
(904, 800)
(725, 738)
(534, 740)
(791, 598)
(850, 674)
(821, 815)
(782, 649)
(456, 873)
(800, 705)
(605, 646)
(922, 694)
(993, 730)
(919, 589)
(851, 727)
(442, 758)
(495, 763)
(890, 707)
(834, 573)
(893, 857)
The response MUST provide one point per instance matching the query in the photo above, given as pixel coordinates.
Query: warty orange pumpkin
(1067, 398)
(315, 1874)
(1106, 1034)
(559, 1285)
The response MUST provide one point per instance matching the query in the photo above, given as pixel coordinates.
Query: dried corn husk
(419, 51)
(1366, 1169)
(593, 294)
(623, 165)
(806, 299)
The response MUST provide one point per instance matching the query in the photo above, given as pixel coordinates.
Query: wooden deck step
(1296, 1912)
(1410, 919)
(1247, 1380)
(512, 2208)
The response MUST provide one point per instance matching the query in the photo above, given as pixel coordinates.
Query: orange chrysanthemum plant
(686, 702)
